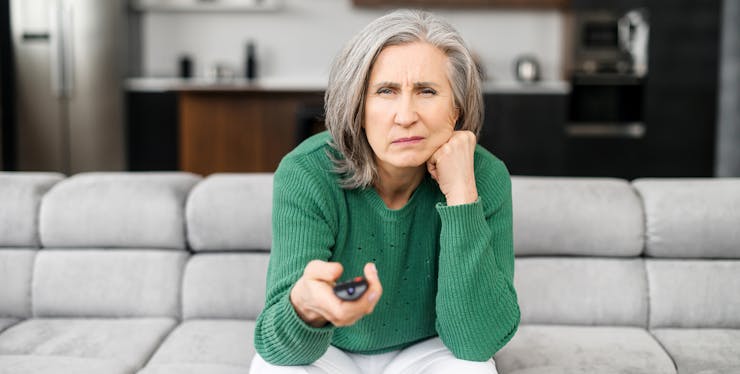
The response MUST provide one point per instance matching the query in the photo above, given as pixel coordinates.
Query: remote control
(351, 290)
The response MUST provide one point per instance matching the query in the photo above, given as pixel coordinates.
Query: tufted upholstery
(159, 273)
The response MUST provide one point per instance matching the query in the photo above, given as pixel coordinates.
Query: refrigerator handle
(62, 59)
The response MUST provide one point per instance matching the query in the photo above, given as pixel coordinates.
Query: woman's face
(409, 106)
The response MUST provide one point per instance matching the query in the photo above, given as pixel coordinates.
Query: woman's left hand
(452, 167)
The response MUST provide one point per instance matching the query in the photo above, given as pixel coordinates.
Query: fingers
(375, 289)
(317, 299)
(324, 271)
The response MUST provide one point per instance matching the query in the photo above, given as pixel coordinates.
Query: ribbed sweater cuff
(310, 342)
(463, 219)
(304, 331)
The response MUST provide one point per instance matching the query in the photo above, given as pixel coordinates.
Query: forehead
(413, 61)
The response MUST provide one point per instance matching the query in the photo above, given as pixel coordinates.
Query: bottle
(186, 67)
(250, 65)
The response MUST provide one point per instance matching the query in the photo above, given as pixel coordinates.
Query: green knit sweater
(445, 271)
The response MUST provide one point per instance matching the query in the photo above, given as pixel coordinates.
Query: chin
(413, 163)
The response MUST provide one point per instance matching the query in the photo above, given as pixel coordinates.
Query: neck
(395, 185)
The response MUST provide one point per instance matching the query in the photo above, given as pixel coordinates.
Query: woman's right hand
(314, 300)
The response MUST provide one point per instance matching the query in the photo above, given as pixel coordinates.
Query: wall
(300, 40)
(728, 126)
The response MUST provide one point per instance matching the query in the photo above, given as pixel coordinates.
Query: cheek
(374, 124)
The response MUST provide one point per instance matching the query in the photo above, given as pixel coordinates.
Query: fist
(452, 167)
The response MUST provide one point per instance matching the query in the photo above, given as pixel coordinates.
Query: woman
(397, 191)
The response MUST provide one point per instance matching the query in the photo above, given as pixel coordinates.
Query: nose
(406, 114)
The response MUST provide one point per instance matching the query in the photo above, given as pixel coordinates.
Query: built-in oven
(605, 127)
(606, 106)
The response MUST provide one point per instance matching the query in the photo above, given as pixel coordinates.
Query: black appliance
(606, 127)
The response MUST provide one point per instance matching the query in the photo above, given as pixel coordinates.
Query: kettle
(527, 69)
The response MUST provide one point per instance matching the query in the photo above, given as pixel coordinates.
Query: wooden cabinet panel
(238, 131)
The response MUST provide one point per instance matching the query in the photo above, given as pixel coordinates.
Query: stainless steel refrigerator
(69, 67)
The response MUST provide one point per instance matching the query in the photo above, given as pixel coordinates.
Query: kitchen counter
(233, 84)
(315, 85)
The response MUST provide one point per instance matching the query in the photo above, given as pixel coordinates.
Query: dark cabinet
(526, 131)
(152, 130)
(682, 87)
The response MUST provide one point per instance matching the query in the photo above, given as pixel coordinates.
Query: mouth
(410, 140)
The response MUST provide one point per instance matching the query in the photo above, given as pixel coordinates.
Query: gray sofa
(164, 273)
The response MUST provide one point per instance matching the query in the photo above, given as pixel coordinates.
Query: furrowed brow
(386, 84)
(425, 84)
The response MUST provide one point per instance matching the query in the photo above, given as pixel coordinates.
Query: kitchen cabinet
(681, 91)
(236, 131)
(152, 130)
(526, 131)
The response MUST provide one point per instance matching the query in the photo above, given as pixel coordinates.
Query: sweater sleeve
(303, 229)
(476, 305)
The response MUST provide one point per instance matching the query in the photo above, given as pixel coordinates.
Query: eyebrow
(396, 85)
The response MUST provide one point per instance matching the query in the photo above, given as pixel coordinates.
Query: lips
(408, 140)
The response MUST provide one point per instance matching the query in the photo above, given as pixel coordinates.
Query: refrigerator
(69, 66)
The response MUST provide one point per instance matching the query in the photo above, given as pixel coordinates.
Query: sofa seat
(559, 349)
(7, 322)
(60, 364)
(702, 350)
(206, 346)
(127, 343)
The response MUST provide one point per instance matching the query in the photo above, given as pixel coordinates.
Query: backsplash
(300, 40)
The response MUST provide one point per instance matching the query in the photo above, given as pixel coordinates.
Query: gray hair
(348, 79)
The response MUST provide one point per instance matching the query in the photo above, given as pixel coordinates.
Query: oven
(605, 128)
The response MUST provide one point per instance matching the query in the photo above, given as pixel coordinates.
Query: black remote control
(351, 290)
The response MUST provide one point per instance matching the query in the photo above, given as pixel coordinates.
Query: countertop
(317, 85)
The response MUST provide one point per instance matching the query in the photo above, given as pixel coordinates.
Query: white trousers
(428, 357)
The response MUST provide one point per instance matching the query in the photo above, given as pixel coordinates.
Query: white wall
(300, 40)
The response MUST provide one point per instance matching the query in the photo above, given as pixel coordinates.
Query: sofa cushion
(28, 364)
(7, 322)
(231, 212)
(224, 285)
(16, 267)
(226, 343)
(692, 217)
(128, 342)
(538, 349)
(582, 291)
(194, 369)
(117, 210)
(20, 197)
(576, 216)
(108, 283)
(694, 293)
(702, 350)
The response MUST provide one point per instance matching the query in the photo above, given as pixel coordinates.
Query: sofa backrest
(228, 220)
(578, 243)
(20, 197)
(692, 249)
(114, 245)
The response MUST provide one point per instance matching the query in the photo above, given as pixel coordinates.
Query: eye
(384, 91)
(428, 91)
